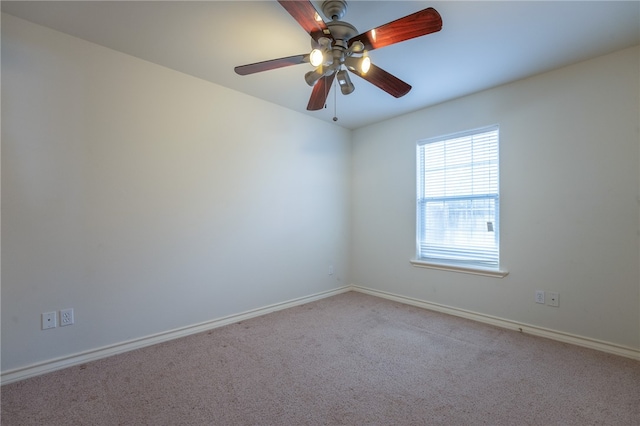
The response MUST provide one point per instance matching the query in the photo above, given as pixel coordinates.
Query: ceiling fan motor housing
(342, 31)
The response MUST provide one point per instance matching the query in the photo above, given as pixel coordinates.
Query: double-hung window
(458, 220)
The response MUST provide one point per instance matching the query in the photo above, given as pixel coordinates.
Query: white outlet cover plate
(66, 317)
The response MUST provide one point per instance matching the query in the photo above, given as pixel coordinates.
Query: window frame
(449, 264)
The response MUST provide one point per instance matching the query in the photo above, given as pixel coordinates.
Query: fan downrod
(340, 31)
(334, 9)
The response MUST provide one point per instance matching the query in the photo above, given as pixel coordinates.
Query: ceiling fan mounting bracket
(334, 9)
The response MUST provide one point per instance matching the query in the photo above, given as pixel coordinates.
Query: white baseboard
(586, 342)
(22, 373)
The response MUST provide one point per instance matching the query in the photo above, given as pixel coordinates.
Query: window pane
(458, 200)
(460, 228)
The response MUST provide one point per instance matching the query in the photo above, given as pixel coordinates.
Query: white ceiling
(482, 44)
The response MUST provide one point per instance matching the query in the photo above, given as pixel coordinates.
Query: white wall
(569, 159)
(149, 200)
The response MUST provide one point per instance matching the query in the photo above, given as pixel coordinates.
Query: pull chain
(335, 101)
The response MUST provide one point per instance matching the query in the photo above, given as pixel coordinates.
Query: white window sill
(496, 273)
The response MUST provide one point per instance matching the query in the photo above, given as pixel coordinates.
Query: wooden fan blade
(307, 16)
(385, 81)
(417, 24)
(320, 92)
(271, 64)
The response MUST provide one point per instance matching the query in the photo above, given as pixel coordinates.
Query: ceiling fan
(337, 47)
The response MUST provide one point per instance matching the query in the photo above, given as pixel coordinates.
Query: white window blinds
(458, 199)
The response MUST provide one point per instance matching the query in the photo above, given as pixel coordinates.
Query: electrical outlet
(330, 269)
(553, 298)
(48, 320)
(66, 317)
(540, 296)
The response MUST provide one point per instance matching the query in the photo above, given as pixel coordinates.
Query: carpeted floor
(350, 359)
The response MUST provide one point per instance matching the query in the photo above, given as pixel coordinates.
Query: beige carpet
(351, 359)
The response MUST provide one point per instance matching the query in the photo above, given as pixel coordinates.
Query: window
(458, 200)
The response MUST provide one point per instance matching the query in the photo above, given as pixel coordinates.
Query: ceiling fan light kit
(312, 77)
(316, 57)
(346, 86)
(361, 64)
(337, 48)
